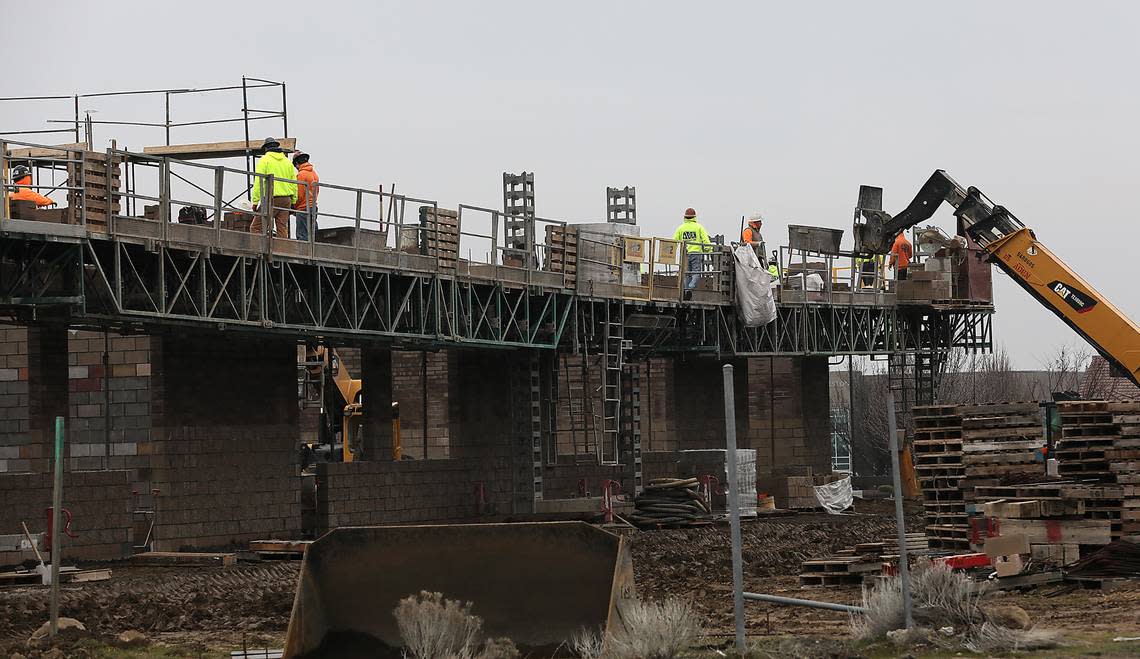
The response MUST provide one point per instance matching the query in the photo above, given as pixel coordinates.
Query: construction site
(225, 436)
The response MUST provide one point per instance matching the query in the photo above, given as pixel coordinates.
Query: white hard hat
(756, 217)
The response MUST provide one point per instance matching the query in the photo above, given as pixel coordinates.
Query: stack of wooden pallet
(1060, 516)
(1100, 440)
(1001, 442)
(440, 235)
(1124, 463)
(938, 463)
(563, 243)
(853, 565)
(98, 177)
(960, 447)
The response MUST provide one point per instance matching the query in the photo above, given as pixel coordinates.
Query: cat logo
(1079, 300)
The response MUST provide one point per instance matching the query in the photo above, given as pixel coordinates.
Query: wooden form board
(207, 150)
(58, 151)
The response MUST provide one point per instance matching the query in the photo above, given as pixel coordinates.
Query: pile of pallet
(98, 176)
(1057, 518)
(853, 565)
(960, 447)
(563, 257)
(1100, 440)
(440, 235)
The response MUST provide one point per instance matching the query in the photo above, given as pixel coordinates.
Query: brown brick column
(376, 391)
(47, 394)
(223, 439)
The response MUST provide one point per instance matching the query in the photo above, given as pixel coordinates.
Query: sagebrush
(942, 598)
(650, 630)
(436, 628)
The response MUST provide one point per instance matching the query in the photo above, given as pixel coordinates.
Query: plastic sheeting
(753, 289)
(835, 497)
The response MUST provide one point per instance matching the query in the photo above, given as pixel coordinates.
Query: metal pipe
(56, 526)
(900, 523)
(284, 112)
(248, 153)
(792, 601)
(734, 507)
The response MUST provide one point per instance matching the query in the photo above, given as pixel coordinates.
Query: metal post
(793, 601)
(167, 118)
(904, 569)
(77, 118)
(284, 112)
(219, 186)
(245, 122)
(4, 212)
(56, 526)
(734, 507)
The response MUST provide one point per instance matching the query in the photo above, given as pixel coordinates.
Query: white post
(904, 569)
(734, 507)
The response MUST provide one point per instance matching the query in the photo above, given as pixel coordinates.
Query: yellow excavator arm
(1015, 249)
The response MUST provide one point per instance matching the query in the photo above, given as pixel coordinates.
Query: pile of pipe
(669, 502)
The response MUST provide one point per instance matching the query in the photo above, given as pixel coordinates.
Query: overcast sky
(780, 107)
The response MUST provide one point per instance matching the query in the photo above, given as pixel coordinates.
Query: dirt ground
(207, 612)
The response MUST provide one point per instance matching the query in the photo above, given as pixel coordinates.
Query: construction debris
(850, 566)
(1118, 559)
(670, 502)
(184, 558)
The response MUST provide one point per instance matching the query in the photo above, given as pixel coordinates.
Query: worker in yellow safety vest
(697, 244)
(284, 193)
(868, 267)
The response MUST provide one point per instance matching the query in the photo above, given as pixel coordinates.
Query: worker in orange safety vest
(901, 254)
(751, 236)
(23, 177)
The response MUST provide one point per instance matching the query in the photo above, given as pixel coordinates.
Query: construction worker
(901, 254)
(22, 176)
(751, 236)
(697, 244)
(868, 267)
(284, 193)
(305, 210)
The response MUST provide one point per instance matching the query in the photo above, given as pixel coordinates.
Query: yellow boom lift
(1015, 249)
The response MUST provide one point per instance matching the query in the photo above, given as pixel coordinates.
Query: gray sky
(727, 107)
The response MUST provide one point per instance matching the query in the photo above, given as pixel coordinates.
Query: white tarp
(753, 289)
(835, 497)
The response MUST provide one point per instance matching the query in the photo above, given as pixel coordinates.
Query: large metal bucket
(535, 583)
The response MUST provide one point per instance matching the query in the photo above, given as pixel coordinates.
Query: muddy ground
(193, 612)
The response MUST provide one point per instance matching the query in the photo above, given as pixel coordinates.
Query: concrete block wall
(408, 389)
(223, 443)
(122, 380)
(362, 493)
(15, 419)
(100, 503)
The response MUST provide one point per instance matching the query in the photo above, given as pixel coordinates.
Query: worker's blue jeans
(303, 226)
(695, 267)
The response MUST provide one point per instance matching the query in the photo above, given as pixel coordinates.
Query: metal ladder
(310, 382)
(614, 347)
(518, 225)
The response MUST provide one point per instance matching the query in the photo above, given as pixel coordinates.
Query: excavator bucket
(535, 583)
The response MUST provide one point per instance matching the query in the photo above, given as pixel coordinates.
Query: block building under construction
(535, 362)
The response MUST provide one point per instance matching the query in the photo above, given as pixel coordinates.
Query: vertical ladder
(633, 423)
(311, 380)
(614, 346)
(518, 225)
(898, 370)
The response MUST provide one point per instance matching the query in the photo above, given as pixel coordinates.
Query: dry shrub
(436, 628)
(941, 598)
(587, 644)
(655, 630)
(650, 630)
